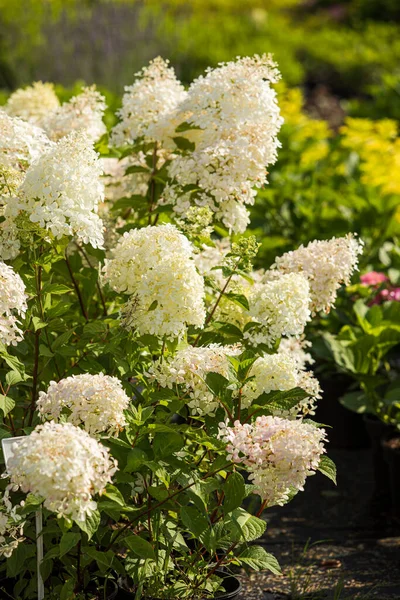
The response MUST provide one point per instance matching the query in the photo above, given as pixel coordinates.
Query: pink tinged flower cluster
(279, 454)
(155, 267)
(12, 305)
(95, 401)
(189, 368)
(64, 465)
(327, 264)
(373, 278)
(234, 120)
(62, 190)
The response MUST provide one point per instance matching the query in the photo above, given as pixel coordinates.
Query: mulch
(328, 543)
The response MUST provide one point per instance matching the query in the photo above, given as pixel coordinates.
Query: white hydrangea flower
(21, 143)
(189, 368)
(280, 454)
(234, 120)
(95, 401)
(281, 372)
(63, 464)
(12, 305)
(327, 264)
(155, 93)
(280, 306)
(33, 103)
(296, 347)
(83, 112)
(155, 266)
(62, 190)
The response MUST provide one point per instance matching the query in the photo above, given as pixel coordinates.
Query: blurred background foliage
(350, 48)
(339, 166)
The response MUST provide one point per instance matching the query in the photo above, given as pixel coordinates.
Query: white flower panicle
(155, 93)
(280, 306)
(280, 454)
(327, 264)
(280, 372)
(62, 190)
(233, 119)
(21, 143)
(155, 266)
(189, 368)
(83, 112)
(33, 103)
(12, 305)
(63, 464)
(95, 401)
(296, 348)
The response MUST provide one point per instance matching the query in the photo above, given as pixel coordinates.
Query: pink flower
(373, 278)
(388, 295)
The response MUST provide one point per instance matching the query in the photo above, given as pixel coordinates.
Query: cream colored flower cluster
(327, 264)
(63, 464)
(281, 372)
(234, 120)
(155, 93)
(12, 305)
(280, 306)
(83, 112)
(33, 103)
(95, 401)
(279, 454)
(62, 190)
(155, 266)
(189, 368)
(21, 144)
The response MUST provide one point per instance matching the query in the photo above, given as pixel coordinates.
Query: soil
(328, 544)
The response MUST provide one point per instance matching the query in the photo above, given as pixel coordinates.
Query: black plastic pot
(377, 432)
(392, 456)
(232, 586)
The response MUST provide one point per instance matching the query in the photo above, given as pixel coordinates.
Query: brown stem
(86, 257)
(222, 292)
(34, 377)
(78, 293)
(144, 513)
(263, 505)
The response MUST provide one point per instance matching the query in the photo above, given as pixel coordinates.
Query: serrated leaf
(194, 521)
(328, 468)
(238, 299)
(13, 377)
(216, 383)
(91, 524)
(6, 404)
(165, 444)
(235, 492)
(257, 558)
(140, 546)
(248, 527)
(136, 458)
(114, 494)
(68, 541)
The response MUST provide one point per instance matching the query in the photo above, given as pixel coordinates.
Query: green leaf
(140, 546)
(136, 169)
(258, 559)
(238, 299)
(153, 306)
(67, 591)
(6, 404)
(166, 444)
(68, 541)
(248, 527)
(184, 144)
(38, 323)
(136, 459)
(216, 383)
(91, 524)
(328, 468)
(13, 377)
(56, 288)
(277, 400)
(194, 521)
(114, 494)
(235, 491)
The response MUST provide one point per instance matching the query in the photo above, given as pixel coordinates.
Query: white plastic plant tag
(7, 444)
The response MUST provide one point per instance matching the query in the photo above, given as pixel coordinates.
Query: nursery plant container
(377, 431)
(391, 452)
(231, 583)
